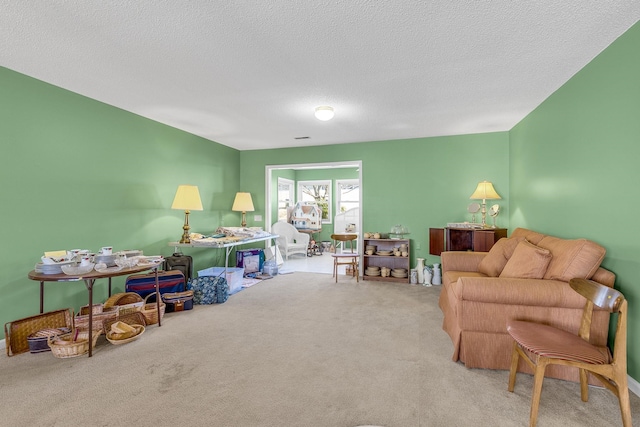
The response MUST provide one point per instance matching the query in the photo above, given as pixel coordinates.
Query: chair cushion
(527, 262)
(554, 343)
(492, 264)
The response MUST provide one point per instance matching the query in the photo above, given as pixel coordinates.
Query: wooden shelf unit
(390, 261)
(463, 239)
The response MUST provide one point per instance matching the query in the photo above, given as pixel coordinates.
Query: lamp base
(185, 233)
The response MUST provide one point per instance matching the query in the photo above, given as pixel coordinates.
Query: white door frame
(328, 165)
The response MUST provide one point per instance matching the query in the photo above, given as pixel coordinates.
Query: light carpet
(296, 350)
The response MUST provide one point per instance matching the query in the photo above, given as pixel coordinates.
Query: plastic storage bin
(270, 267)
(234, 276)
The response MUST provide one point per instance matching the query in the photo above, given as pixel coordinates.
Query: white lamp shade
(485, 191)
(243, 203)
(187, 198)
(324, 113)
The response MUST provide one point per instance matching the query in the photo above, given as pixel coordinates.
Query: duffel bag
(178, 301)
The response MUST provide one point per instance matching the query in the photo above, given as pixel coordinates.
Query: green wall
(77, 173)
(574, 167)
(419, 183)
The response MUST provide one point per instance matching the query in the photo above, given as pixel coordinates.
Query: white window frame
(292, 194)
(325, 182)
(340, 182)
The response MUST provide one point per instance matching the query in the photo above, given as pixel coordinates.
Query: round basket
(122, 298)
(64, 346)
(111, 336)
(150, 310)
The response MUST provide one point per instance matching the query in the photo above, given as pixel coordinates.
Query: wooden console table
(463, 239)
(89, 280)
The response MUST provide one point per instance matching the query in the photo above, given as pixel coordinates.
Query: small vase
(420, 269)
(437, 277)
(414, 277)
(427, 276)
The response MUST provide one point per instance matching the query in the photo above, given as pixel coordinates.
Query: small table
(310, 231)
(89, 280)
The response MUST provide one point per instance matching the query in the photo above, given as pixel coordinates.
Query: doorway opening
(288, 184)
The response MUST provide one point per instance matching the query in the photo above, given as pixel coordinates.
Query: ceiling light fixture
(324, 113)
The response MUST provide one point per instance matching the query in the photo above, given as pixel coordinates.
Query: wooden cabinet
(390, 261)
(463, 239)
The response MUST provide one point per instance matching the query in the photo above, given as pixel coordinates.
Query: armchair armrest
(461, 261)
(510, 291)
(301, 238)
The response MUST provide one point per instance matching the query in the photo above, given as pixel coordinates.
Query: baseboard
(634, 386)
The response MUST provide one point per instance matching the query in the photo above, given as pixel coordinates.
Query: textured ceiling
(248, 74)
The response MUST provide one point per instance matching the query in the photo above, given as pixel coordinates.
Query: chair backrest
(285, 230)
(608, 299)
(345, 238)
(602, 296)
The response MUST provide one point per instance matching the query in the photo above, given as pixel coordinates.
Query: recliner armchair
(290, 240)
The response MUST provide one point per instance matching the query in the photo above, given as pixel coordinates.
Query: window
(318, 192)
(347, 194)
(286, 196)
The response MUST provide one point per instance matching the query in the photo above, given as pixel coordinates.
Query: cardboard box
(235, 276)
(251, 260)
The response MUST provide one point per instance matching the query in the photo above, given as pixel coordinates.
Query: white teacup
(73, 253)
(85, 260)
(106, 250)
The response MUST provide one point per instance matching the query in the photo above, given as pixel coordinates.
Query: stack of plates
(129, 253)
(110, 260)
(384, 253)
(399, 272)
(52, 268)
(372, 271)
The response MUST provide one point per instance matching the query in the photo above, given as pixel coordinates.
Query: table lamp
(484, 192)
(244, 204)
(187, 198)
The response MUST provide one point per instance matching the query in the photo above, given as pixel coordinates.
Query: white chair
(290, 240)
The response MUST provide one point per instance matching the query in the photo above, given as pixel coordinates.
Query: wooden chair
(541, 345)
(344, 257)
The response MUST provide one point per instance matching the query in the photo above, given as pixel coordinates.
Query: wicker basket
(128, 302)
(97, 308)
(136, 318)
(150, 310)
(81, 321)
(112, 337)
(38, 341)
(122, 298)
(17, 331)
(64, 346)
